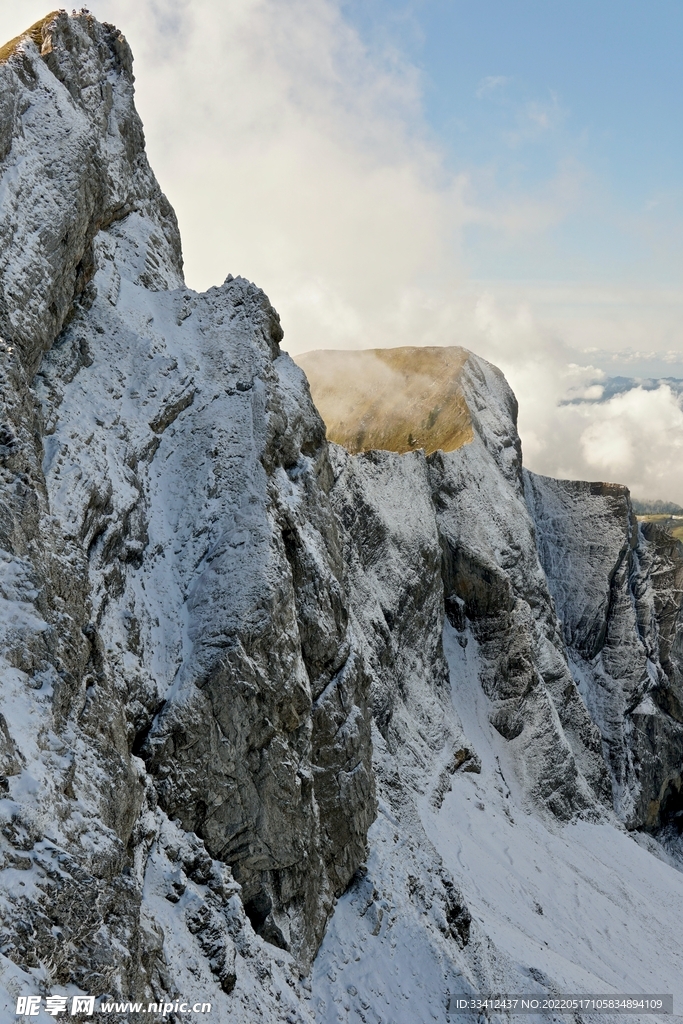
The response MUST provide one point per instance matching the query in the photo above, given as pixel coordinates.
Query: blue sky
(528, 90)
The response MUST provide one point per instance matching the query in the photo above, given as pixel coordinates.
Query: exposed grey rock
(492, 574)
(171, 571)
(618, 591)
(207, 612)
(69, 122)
(663, 559)
(450, 555)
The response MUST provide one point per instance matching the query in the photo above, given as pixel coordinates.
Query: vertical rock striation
(618, 594)
(575, 608)
(492, 572)
(451, 535)
(537, 613)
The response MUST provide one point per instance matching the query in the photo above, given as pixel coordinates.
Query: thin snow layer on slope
(393, 558)
(492, 574)
(610, 910)
(72, 160)
(556, 908)
(456, 837)
(99, 892)
(618, 594)
(192, 936)
(175, 626)
(174, 457)
(406, 904)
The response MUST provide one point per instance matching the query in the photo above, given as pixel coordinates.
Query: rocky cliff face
(575, 607)
(247, 674)
(176, 635)
(469, 575)
(617, 591)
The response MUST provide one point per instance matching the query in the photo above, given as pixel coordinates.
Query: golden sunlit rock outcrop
(395, 399)
(35, 32)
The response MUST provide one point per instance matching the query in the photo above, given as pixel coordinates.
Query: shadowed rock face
(666, 575)
(398, 399)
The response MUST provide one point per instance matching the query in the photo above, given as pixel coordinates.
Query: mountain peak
(266, 704)
(72, 161)
(394, 399)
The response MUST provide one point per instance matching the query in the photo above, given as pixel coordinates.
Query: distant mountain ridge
(606, 388)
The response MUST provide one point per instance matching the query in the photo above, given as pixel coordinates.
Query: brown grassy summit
(396, 399)
(35, 32)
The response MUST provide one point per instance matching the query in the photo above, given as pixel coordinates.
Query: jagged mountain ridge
(562, 585)
(207, 610)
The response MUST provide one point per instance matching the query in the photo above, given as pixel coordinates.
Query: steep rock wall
(69, 126)
(493, 577)
(175, 637)
(207, 611)
(457, 584)
(617, 591)
(576, 611)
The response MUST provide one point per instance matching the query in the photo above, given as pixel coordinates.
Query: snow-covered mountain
(305, 734)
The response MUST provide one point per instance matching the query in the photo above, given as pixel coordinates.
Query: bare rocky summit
(291, 726)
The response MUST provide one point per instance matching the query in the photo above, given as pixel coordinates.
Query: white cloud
(593, 393)
(626, 430)
(294, 158)
(490, 84)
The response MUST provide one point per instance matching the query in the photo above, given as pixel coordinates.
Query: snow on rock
(175, 623)
(618, 591)
(73, 162)
(489, 758)
(221, 636)
(576, 907)
(492, 568)
(184, 476)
